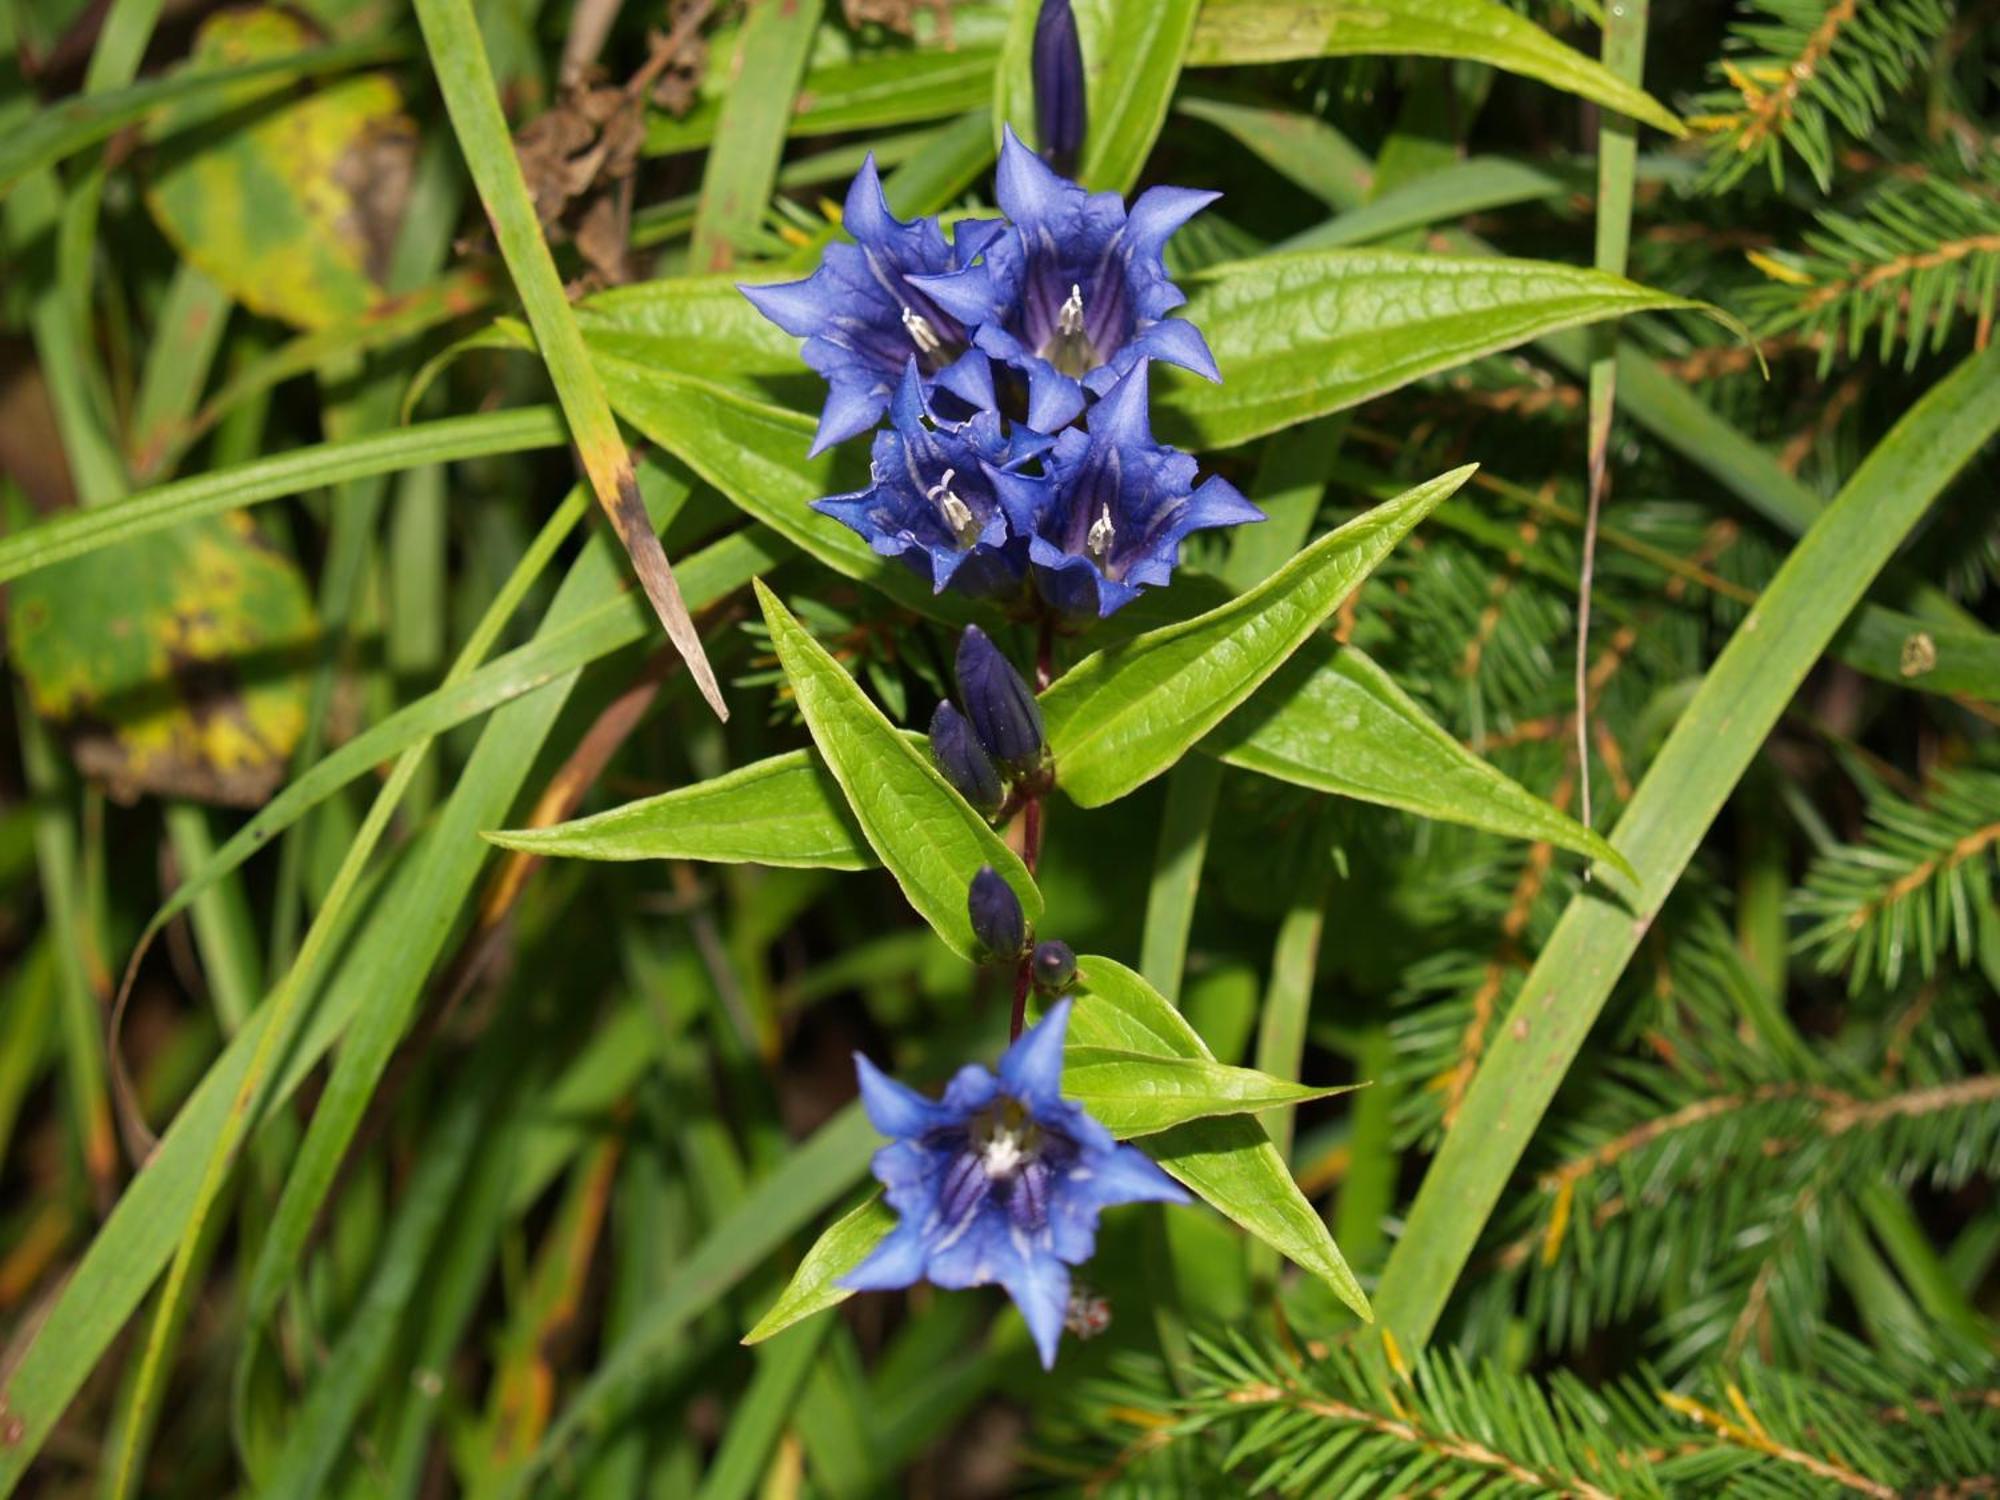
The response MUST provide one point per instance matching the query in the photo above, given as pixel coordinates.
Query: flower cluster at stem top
(1012, 363)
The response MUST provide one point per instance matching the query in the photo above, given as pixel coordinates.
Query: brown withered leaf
(579, 156)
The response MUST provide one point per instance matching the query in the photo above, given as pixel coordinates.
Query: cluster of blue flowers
(986, 351)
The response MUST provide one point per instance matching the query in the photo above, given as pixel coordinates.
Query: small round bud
(963, 761)
(998, 924)
(1054, 967)
(999, 703)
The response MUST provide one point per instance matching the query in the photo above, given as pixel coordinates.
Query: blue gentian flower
(931, 499)
(1001, 1181)
(1114, 506)
(1073, 292)
(864, 319)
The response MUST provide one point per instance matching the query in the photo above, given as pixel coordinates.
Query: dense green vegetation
(1533, 893)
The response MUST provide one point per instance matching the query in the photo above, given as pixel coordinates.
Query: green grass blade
(458, 57)
(79, 531)
(742, 165)
(1170, 894)
(1704, 757)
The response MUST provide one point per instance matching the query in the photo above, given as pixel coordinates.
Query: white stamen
(1003, 1156)
(1069, 317)
(921, 333)
(1102, 534)
(957, 514)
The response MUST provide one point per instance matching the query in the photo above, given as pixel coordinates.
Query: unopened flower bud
(1054, 965)
(1058, 73)
(998, 701)
(998, 923)
(963, 761)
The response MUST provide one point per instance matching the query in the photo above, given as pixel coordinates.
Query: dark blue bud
(963, 761)
(1054, 965)
(998, 922)
(1058, 70)
(1003, 711)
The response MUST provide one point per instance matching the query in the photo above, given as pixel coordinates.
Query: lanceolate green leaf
(755, 453)
(1334, 721)
(1707, 753)
(1301, 334)
(1140, 1093)
(1131, 61)
(1261, 31)
(1123, 715)
(1229, 1161)
(691, 325)
(787, 810)
(924, 832)
(813, 1287)
(78, 531)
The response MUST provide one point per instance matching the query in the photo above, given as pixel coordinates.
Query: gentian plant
(1137, 749)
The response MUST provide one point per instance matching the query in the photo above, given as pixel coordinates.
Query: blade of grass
(811, 1178)
(458, 57)
(742, 165)
(1281, 1029)
(1624, 55)
(140, 1236)
(1706, 754)
(1170, 896)
(75, 532)
(82, 1018)
(764, 1411)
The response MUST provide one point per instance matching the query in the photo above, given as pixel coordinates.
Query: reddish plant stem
(1031, 825)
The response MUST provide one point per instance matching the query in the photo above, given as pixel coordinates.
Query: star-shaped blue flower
(1074, 292)
(931, 499)
(864, 319)
(1001, 1181)
(1114, 506)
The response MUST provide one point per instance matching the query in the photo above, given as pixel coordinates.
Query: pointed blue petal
(970, 378)
(894, 1108)
(1032, 1067)
(1128, 1175)
(1120, 415)
(866, 215)
(895, 1263)
(1159, 212)
(970, 237)
(1179, 342)
(907, 408)
(1023, 498)
(967, 295)
(1039, 1285)
(1027, 188)
(799, 307)
(1054, 400)
(850, 410)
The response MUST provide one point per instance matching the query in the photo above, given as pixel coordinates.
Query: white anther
(957, 514)
(1102, 534)
(1069, 317)
(1003, 1156)
(921, 333)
